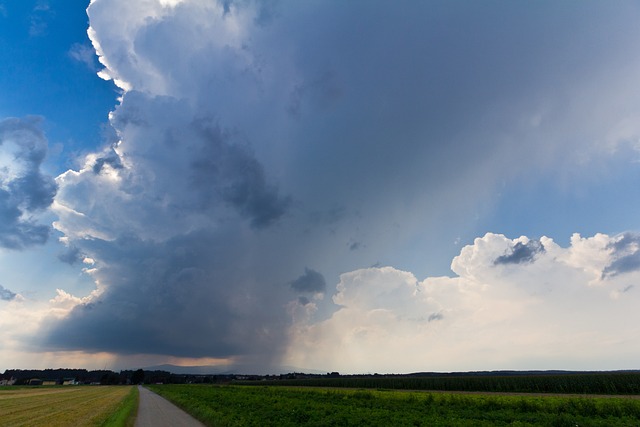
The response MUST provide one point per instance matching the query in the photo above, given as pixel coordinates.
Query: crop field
(59, 406)
(302, 406)
(581, 383)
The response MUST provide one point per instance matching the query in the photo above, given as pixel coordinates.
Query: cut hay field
(61, 406)
(263, 406)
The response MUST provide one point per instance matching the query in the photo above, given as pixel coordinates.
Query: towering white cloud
(555, 311)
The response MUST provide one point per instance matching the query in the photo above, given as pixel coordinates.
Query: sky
(358, 186)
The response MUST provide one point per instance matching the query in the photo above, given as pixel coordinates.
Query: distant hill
(229, 370)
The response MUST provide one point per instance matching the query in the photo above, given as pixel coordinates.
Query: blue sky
(363, 187)
(48, 69)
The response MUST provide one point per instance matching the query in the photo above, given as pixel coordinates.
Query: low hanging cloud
(311, 281)
(6, 294)
(24, 190)
(260, 142)
(174, 298)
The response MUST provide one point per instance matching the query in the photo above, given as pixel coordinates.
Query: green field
(285, 406)
(574, 383)
(62, 406)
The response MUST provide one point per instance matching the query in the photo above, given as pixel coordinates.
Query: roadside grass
(62, 406)
(126, 412)
(283, 406)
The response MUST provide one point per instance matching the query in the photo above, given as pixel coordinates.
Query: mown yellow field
(59, 406)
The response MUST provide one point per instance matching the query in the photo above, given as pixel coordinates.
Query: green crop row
(597, 383)
(283, 406)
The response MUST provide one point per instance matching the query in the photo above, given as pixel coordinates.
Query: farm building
(38, 381)
(11, 381)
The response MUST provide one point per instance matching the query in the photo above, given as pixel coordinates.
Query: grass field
(62, 406)
(283, 406)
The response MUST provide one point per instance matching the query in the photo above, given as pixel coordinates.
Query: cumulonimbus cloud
(255, 139)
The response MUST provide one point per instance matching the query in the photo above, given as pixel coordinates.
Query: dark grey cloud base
(310, 281)
(521, 253)
(178, 298)
(6, 294)
(626, 252)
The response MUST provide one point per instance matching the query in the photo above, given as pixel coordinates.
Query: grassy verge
(126, 412)
(281, 406)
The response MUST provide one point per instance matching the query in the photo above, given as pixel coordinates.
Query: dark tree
(137, 377)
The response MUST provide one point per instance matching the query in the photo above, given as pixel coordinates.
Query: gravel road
(156, 411)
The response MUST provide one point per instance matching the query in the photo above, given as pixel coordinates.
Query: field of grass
(284, 406)
(62, 406)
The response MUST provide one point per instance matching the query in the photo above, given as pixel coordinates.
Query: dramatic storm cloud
(168, 215)
(24, 189)
(287, 182)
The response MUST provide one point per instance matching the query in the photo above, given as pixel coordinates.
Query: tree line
(109, 377)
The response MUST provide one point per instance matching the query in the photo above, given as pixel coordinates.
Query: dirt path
(156, 411)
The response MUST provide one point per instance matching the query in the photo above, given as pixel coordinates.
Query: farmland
(66, 405)
(576, 383)
(288, 406)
